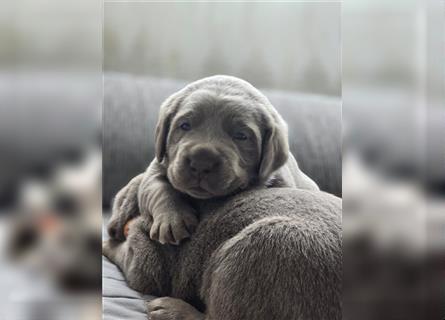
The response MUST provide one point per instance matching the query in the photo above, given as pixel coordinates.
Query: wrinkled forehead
(206, 104)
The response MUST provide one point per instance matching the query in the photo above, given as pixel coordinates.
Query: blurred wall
(289, 46)
(51, 35)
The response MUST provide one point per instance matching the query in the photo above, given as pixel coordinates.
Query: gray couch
(130, 113)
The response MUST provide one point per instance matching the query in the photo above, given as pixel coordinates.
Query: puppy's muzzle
(203, 161)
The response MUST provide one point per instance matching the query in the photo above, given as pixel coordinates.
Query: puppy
(214, 138)
(270, 254)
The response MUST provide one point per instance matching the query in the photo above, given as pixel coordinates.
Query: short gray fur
(264, 254)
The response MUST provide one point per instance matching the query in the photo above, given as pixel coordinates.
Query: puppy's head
(219, 135)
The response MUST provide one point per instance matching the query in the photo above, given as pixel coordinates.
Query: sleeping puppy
(270, 254)
(214, 138)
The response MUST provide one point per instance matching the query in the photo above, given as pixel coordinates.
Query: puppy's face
(219, 142)
(214, 146)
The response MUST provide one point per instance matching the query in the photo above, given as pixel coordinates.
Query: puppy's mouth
(203, 191)
(208, 187)
(199, 193)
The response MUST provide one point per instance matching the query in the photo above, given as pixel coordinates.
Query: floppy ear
(166, 113)
(275, 148)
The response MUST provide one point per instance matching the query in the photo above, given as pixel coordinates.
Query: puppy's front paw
(171, 309)
(172, 227)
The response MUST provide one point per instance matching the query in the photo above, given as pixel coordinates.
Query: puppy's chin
(199, 193)
(202, 190)
(202, 194)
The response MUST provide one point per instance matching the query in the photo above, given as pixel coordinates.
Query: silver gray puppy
(269, 254)
(214, 138)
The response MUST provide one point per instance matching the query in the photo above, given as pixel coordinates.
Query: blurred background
(287, 46)
(393, 159)
(50, 159)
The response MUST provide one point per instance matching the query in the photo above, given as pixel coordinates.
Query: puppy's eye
(185, 126)
(239, 136)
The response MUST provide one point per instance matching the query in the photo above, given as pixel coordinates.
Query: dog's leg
(167, 308)
(115, 251)
(140, 260)
(125, 208)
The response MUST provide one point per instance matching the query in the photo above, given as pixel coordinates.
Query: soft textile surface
(130, 113)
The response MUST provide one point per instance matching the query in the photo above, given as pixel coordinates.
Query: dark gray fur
(269, 254)
(218, 108)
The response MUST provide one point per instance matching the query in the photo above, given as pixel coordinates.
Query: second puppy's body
(262, 255)
(214, 138)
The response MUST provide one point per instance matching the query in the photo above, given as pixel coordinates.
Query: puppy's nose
(203, 160)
